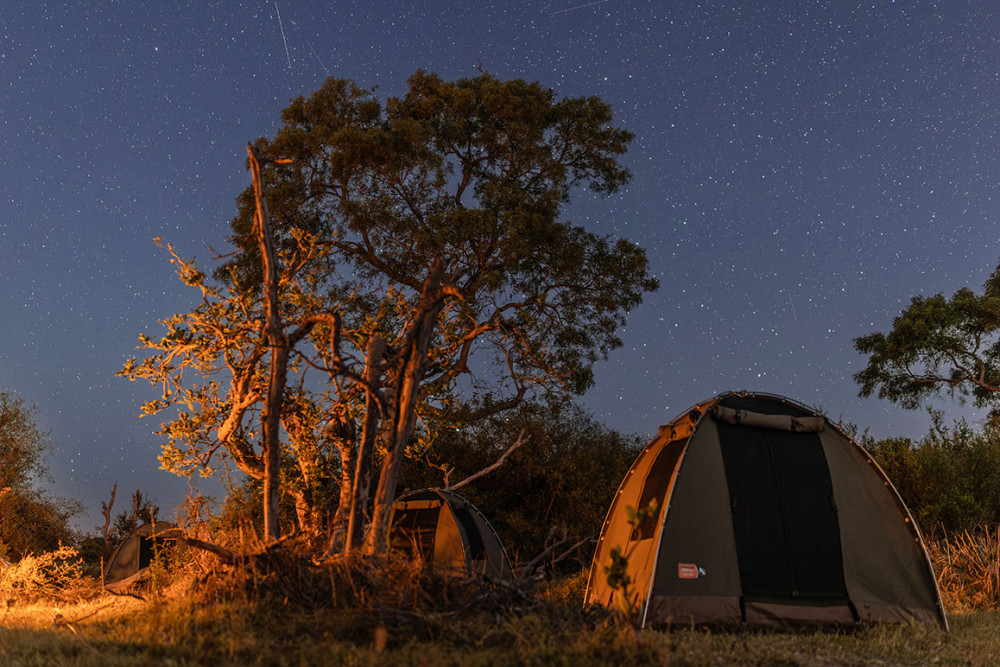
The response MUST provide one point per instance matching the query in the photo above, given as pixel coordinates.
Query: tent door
(413, 531)
(147, 551)
(784, 517)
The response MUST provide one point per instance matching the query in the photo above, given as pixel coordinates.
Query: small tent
(447, 531)
(763, 513)
(134, 555)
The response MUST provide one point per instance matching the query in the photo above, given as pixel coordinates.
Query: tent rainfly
(765, 514)
(448, 531)
(136, 552)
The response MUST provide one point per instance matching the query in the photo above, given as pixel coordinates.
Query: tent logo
(689, 571)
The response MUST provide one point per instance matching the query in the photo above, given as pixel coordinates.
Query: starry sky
(801, 170)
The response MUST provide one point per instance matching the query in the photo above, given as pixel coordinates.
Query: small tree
(938, 344)
(30, 519)
(143, 510)
(420, 252)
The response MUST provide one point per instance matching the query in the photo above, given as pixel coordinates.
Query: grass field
(124, 631)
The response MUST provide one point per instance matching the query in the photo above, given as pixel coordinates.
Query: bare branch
(106, 511)
(521, 439)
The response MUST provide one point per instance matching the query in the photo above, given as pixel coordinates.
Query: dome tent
(447, 531)
(136, 552)
(765, 514)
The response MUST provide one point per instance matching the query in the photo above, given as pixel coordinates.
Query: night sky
(801, 170)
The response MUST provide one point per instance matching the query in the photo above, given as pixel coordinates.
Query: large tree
(424, 269)
(938, 344)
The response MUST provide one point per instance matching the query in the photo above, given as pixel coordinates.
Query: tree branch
(521, 439)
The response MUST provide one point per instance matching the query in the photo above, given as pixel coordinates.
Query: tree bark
(278, 342)
(341, 518)
(363, 468)
(410, 372)
(304, 512)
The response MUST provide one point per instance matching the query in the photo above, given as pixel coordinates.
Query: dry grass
(126, 631)
(968, 570)
(285, 611)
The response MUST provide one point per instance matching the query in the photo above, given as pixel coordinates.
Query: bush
(950, 478)
(52, 575)
(31, 522)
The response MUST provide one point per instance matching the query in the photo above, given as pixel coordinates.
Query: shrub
(52, 575)
(950, 478)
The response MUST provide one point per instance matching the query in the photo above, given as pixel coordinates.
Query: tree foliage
(22, 445)
(938, 344)
(31, 521)
(426, 280)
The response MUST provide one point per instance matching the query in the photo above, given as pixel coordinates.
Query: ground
(111, 630)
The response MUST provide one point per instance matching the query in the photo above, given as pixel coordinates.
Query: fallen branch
(124, 594)
(225, 555)
(62, 620)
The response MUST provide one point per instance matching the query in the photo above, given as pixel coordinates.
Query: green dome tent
(136, 552)
(447, 531)
(765, 514)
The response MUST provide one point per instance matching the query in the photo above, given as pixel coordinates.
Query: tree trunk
(106, 511)
(363, 469)
(304, 512)
(278, 343)
(404, 402)
(341, 519)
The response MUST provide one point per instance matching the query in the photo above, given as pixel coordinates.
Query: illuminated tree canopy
(426, 279)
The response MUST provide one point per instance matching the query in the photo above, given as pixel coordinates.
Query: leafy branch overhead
(425, 278)
(938, 344)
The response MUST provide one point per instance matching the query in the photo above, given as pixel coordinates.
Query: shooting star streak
(321, 63)
(569, 9)
(871, 110)
(283, 40)
(792, 304)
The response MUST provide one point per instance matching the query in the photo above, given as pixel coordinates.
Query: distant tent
(134, 555)
(448, 531)
(768, 515)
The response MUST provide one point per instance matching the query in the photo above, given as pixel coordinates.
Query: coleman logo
(689, 571)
